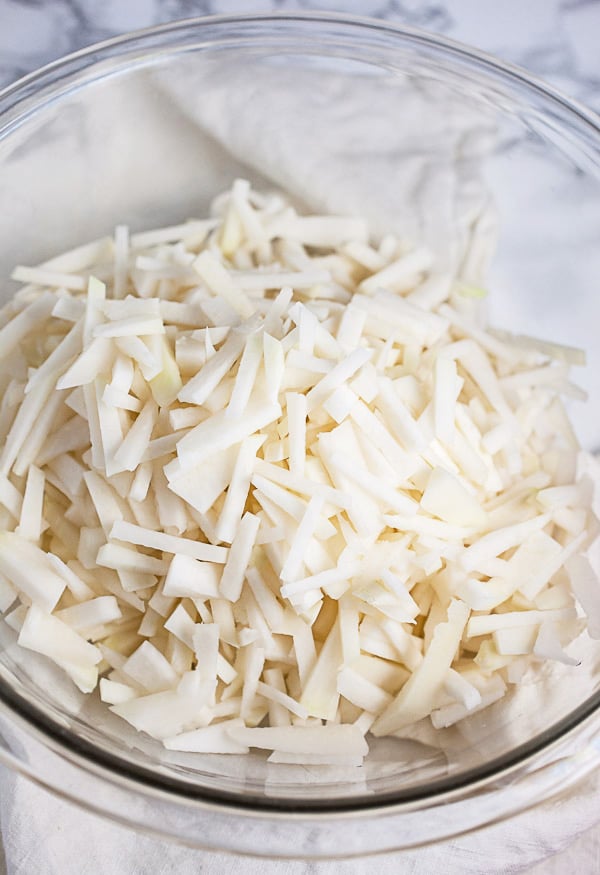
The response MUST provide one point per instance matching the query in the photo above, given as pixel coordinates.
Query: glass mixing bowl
(145, 130)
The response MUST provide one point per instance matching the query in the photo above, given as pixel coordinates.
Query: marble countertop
(555, 39)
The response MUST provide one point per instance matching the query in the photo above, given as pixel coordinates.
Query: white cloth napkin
(43, 834)
(423, 180)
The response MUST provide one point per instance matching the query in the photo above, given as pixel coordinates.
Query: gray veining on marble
(556, 39)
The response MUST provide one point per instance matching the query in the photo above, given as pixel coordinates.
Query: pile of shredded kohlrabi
(267, 483)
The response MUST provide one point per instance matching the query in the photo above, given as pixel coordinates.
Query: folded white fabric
(405, 153)
(43, 834)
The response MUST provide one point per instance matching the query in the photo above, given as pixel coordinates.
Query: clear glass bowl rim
(33, 92)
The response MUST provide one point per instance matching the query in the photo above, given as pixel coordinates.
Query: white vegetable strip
(104, 500)
(33, 442)
(515, 640)
(459, 688)
(322, 579)
(417, 696)
(176, 313)
(265, 599)
(195, 229)
(111, 430)
(444, 399)
(119, 558)
(253, 667)
(351, 328)
(223, 283)
(28, 569)
(27, 321)
(76, 586)
(527, 344)
(279, 714)
(297, 410)
(116, 310)
(379, 464)
(305, 362)
(167, 383)
(10, 497)
(237, 491)
(314, 759)
(389, 498)
(362, 692)
(239, 557)
(24, 424)
(191, 578)
(303, 485)
(58, 359)
(432, 291)
(209, 739)
(148, 667)
(246, 375)
(341, 373)
(259, 280)
(322, 231)
(96, 358)
(73, 435)
(398, 275)
(349, 630)
(398, 587)
(162, 714)
(340, 403)
(123, 531)
(274, 695)
(30, 520)
(547, 565)
(96, 293)
(320, 694)
(90, 614)
(129, 454)
(483, 625)
(210, 375)
(475, 362)
(206, 648)
(289, 503)
(450, 714)
(181, 625)
(135, 348)
(402, 425)
(446, 498)
(201, 485)
(49, 635)
(547, 645)
(501, 540)
(299, 544)
(218, 433)
(114, 693)
(44, 277)
(171, 510)
(274, 362)
(277, 309)
(81, 257)
(337, 740)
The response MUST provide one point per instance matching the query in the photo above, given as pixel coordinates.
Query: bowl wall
(423, 138)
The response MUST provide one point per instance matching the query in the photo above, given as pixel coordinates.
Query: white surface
(47, 836)
(556, 39)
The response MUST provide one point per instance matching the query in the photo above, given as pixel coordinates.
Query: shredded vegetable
(266, 485)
